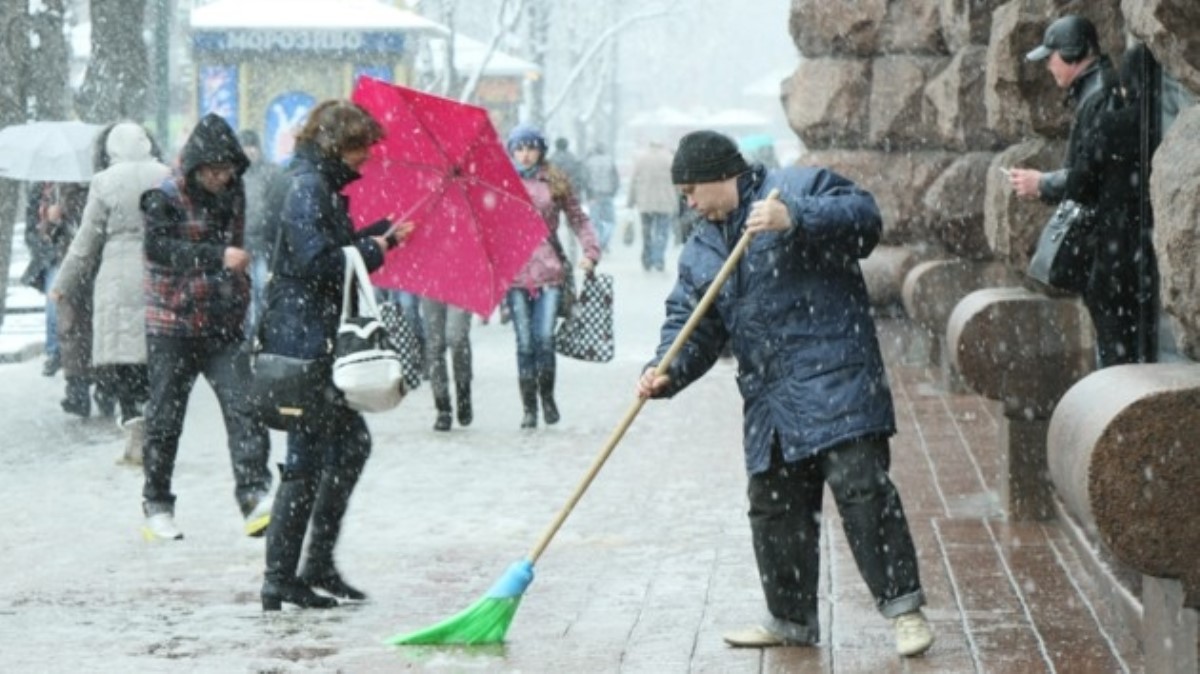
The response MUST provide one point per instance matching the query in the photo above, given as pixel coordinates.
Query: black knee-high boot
(77, 401)
(528, 401)
(333, 496)
(546, 389)
(442, 403)
(285, 539)
(462, 403)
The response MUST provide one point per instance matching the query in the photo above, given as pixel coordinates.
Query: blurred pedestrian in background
(70, 319)
(46, 239)
(448, 327)
(655, 198)
(570, 165)
(602, 185)
(261, 180)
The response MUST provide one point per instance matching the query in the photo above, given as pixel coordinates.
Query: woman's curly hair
(335, 126)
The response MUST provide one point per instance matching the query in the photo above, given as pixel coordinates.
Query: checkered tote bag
(587, 334)
(404, 339)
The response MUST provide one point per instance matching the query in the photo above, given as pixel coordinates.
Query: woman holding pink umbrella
(534, 296)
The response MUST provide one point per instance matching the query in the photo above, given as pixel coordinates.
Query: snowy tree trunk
(539, 33)
(46, 87)
(118, 76)
(15, 50)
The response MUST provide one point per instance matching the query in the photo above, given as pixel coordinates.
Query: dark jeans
(173, 364)
(446, 326)
(785, 521)
(335, 439)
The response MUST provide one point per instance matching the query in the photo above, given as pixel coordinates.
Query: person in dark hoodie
(197, 292)
(328, 448)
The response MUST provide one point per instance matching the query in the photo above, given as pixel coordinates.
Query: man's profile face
(713, 201)
(1064, 73)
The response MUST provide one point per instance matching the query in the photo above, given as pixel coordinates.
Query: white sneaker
(259, 518)
(913, 635)
(161, 527)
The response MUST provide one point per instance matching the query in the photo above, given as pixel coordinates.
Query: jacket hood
(212, 142)
(128, 142)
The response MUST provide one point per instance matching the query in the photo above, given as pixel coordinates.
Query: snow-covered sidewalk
(23, 333)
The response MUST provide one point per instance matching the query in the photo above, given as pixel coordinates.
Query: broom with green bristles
(487, 620)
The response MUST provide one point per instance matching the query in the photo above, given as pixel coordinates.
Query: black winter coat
(305, 296)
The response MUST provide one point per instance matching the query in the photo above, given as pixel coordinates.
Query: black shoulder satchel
(280, 390)
(1063, 258)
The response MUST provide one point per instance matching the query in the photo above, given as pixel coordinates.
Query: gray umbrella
(47, 151)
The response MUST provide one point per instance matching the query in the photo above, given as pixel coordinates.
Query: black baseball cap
(1072, 36)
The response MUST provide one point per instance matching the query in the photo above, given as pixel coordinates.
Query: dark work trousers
(785, 521)
(173, 365)
(446, 326)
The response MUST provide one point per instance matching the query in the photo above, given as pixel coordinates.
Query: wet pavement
(654, 563)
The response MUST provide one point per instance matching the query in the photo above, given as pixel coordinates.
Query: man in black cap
(818, 409)
(1071, 50)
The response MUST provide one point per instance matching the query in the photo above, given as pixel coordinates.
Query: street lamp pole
(162, 71)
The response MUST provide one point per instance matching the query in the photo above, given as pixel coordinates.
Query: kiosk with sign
(264, 64)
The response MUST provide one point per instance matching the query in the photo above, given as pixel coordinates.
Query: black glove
(377, 228)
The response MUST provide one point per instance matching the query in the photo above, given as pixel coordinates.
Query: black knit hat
(706, 157)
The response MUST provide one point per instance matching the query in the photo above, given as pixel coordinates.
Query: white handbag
(366, 368)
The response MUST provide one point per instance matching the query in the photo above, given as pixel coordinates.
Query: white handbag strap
(356, 275)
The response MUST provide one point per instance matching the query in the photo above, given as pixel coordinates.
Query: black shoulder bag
(281, 390)
(1063, 258)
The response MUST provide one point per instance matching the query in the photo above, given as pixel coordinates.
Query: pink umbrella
(443, 167)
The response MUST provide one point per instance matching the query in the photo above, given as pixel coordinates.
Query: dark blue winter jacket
(796, 315)
(305, 295)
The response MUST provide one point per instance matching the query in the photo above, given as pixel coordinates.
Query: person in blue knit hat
(534, 296)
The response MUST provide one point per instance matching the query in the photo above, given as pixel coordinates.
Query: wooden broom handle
(614, 438)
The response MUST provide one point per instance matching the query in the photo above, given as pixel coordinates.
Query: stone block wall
(921, 101)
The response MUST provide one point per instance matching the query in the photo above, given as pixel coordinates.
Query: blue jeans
(533, 317)
(448, 327)
(600, 209)
(656, 229)
(52, 315)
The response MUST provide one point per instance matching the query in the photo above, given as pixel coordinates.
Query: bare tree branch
(506, 21)
(591, 52)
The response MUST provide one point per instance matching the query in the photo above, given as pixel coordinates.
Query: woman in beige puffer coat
(109, 245)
